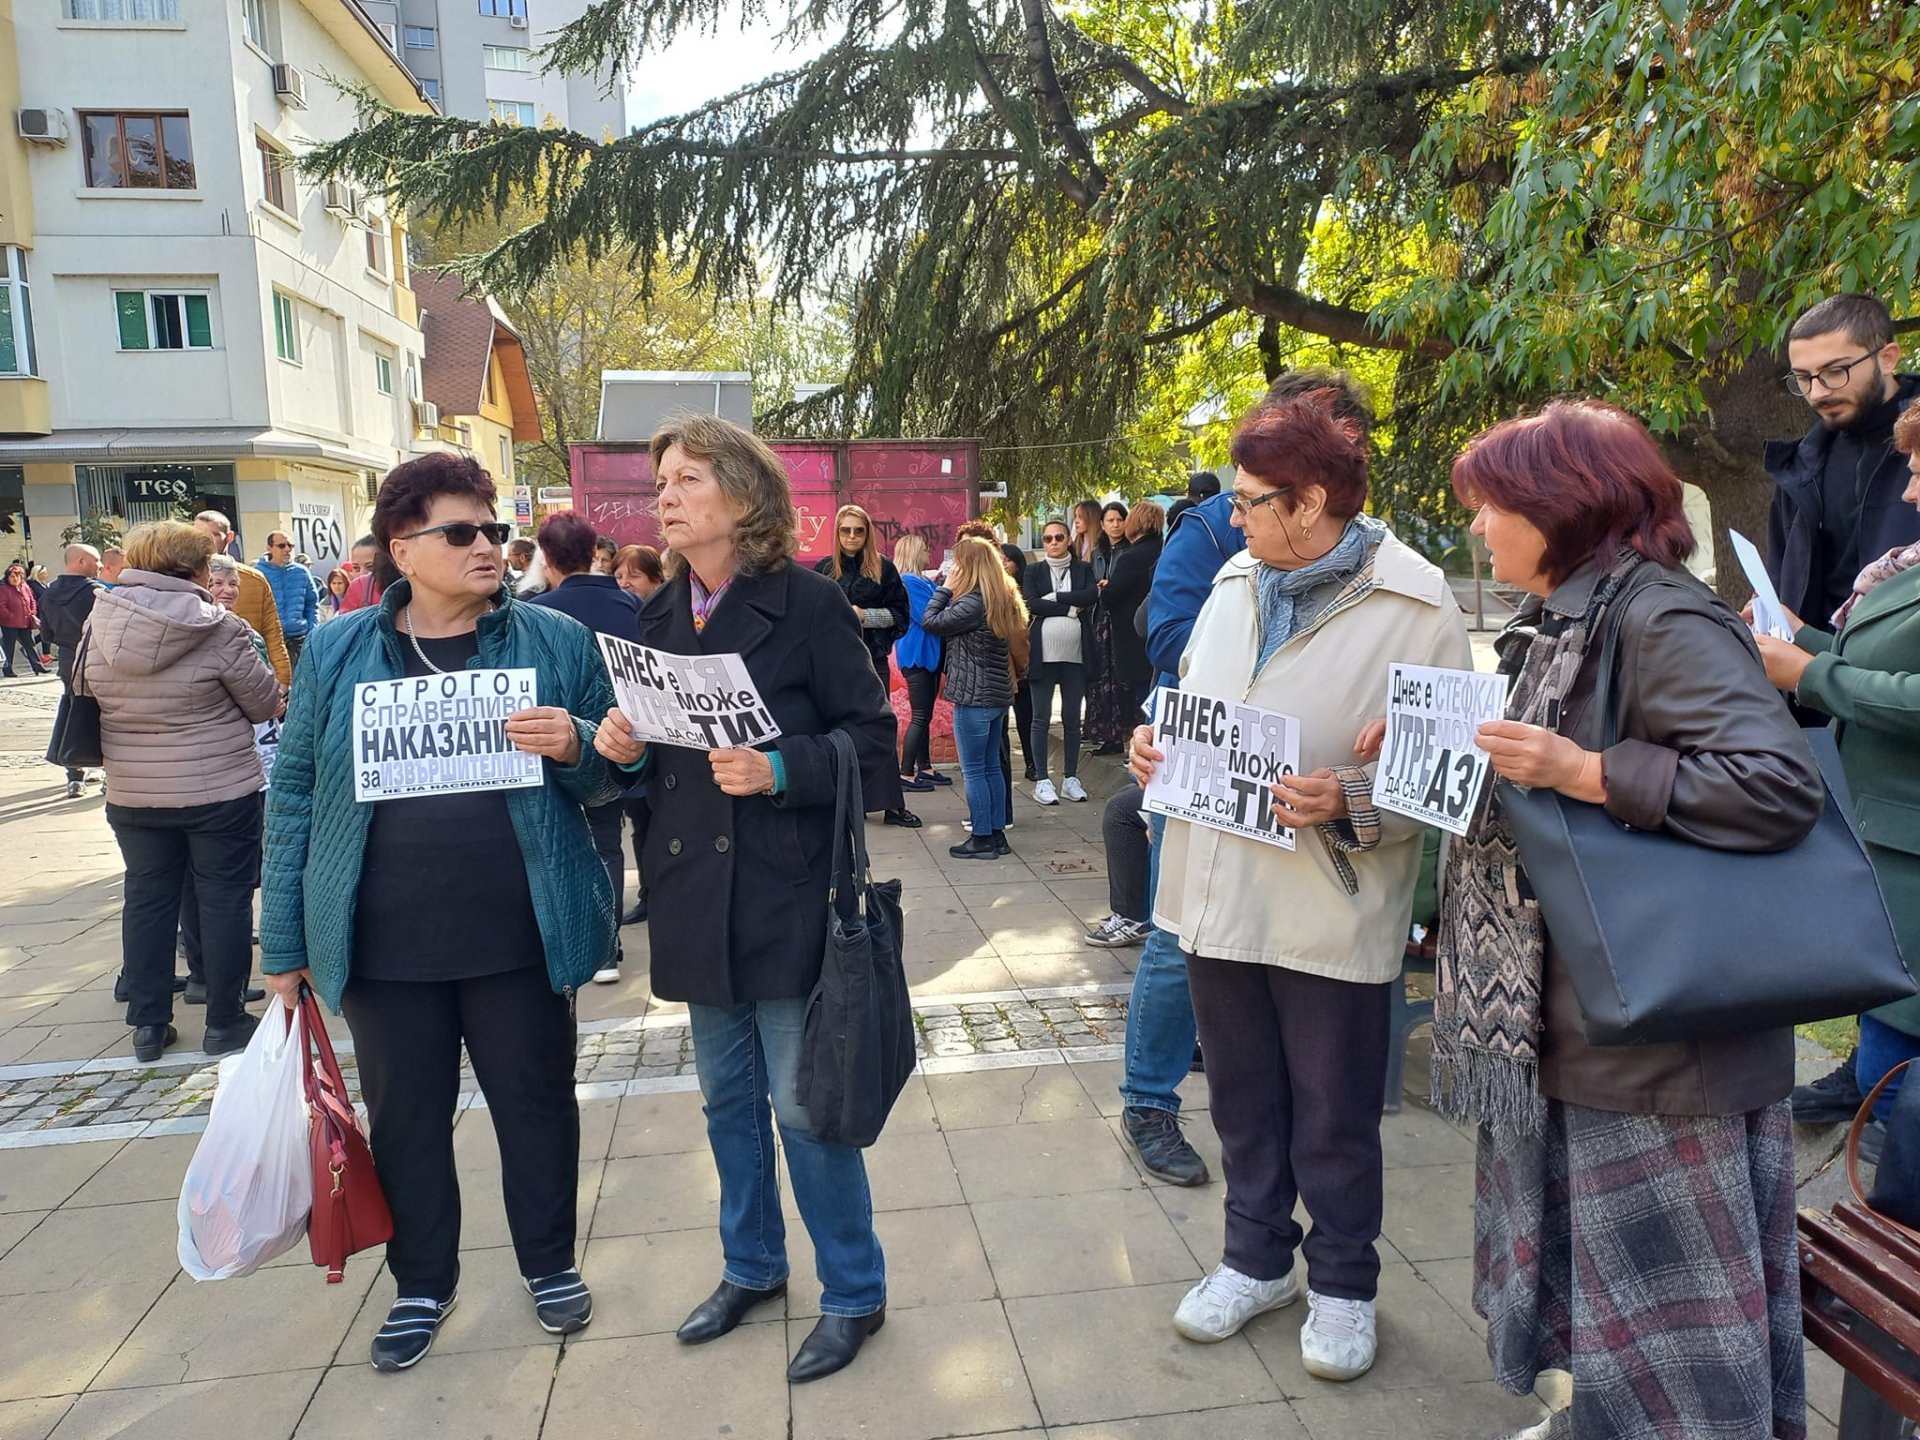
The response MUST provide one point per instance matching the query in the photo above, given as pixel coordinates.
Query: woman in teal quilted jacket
(467, 914)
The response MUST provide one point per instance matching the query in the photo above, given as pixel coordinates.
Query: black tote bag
(858, 1046)
(75, 742)
(1665, 940)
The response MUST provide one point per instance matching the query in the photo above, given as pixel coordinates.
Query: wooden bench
(1860, 1302)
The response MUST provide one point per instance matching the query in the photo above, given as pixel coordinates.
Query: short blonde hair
(169, 547)
(1146, 518)
(910, 553)
(751, 476)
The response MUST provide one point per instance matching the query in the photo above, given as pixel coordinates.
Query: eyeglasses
(1831, 377)
(1244, 507)
(853, 529)
(1053, 539)
(282, 546)
(462, 533)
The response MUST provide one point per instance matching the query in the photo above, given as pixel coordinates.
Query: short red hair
(1588, 476)
(1299, 442)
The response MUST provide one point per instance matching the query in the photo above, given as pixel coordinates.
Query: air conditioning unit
(290, 85)
(518, 22)
(43, 127)
(426, 415)
(341, 200)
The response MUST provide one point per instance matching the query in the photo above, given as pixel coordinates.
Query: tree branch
(1189, 327)
(1157, 96)
(1338, 323)
(1053, 99)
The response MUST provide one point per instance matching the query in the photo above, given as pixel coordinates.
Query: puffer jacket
(317, 833)
(256, 607)
(18, 608)
(979, 671)
(180, 690)
(295, 597)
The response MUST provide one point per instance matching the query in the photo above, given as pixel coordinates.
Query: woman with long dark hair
(920, 655)
(874, 589)
(1111, 714)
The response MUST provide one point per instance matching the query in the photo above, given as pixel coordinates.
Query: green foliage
(95, 528)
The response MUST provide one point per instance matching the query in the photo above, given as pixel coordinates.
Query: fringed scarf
(1492, 945)
(1290, 600)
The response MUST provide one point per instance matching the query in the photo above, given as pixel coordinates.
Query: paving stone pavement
(1033, 1267)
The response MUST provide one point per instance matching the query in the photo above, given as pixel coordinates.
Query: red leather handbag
(349, 1209)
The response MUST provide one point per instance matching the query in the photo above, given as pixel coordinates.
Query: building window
(286, 329)
(164, 320)
(16, 315)
(253, 20)
(139, 11)
(383, 374)
(507, 57)
(377, 246)
(421, 37)
(413, 379)
(506, 458)
(126, 150)
(504, 8)
(430, 88)
(276, 186)
(513, 112)
(390, 32)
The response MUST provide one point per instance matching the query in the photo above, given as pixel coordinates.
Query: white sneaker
(607, 974)
(1337, 1342)
(1219, 1305)
(1073, 789)
(1045, 794)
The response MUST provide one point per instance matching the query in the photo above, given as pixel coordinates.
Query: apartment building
(477, 58)
(185, 322)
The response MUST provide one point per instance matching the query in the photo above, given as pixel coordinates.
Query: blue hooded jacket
(1203, 538)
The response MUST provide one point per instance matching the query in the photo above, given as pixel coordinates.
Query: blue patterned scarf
(1290, 600)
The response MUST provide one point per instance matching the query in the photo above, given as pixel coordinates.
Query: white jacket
(1230, 898)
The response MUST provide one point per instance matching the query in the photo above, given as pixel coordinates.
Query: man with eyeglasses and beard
(1837, 509)
(1836, 500)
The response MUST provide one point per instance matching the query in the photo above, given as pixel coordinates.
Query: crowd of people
(1634, 1204)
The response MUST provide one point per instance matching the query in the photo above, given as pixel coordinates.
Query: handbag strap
(847, 891)
(1613, 621)
(1854, 1131)
(326, 1088)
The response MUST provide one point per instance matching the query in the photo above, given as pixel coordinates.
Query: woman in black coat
(1061, 595)
(738, 863)
(1128, 582)
(1109, 718)
(879, 597)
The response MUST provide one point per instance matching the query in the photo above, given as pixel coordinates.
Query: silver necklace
(414, 640)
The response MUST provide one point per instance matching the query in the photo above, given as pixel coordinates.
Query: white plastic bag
(249, 1186)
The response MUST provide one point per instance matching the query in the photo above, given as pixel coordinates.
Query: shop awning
(118, 446)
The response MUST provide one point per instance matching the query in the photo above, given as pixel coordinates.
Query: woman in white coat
(1291, 952)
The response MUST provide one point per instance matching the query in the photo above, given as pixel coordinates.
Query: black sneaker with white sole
(408, 1334)
(561, 1303)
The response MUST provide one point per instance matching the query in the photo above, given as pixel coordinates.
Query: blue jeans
(977, 730)
(745, 1054)
(1881, 1048)
(1160, 1028)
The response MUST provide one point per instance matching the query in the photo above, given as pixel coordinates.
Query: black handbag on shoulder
(858, 1046)
(76, 724)
(1666, 940)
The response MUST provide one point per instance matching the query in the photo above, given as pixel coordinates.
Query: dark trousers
(219, 846)
(1123, 831)
(1022, 720)
(1296, 1067)
(881, 791)
(190, 947)
(916, 749)
(1070, 679)
(639, 814)
(295, 643)
(520, 1037)
(604, 822)
(23, 637)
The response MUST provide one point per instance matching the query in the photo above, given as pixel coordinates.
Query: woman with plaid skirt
(1633, 1215)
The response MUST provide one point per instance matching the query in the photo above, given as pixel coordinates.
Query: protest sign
(1769, 615)
(1221, 759)
(705, 702)
(1430, 767)
(441, 734)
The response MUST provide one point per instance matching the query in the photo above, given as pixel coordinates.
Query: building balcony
(23, 406)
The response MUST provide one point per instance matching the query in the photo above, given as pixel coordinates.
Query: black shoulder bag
(1666, 940)
(858, 1046)
(76, 724)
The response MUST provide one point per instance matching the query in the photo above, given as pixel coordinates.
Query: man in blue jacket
(294, 594)
(1160, 1026)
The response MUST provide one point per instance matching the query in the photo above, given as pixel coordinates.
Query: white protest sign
(1430, 767)
(705, 702)
(1221, 759)
(441, 734)
(1769, 615)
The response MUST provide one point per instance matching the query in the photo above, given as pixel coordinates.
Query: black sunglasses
(462, 533)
